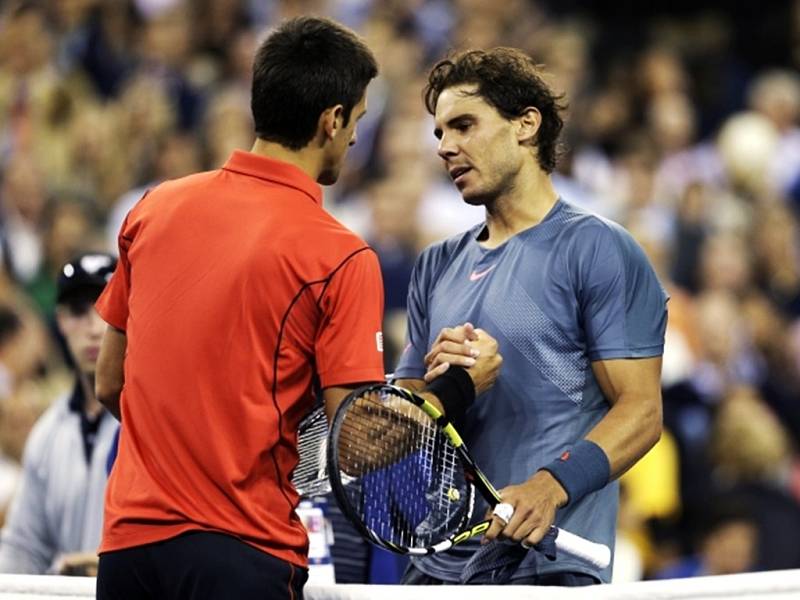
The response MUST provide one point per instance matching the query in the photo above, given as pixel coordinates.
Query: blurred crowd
(675, 129)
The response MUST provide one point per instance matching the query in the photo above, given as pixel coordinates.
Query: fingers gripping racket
(403, 476)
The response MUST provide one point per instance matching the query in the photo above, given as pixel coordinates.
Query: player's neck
(306, 159)
(522, 206)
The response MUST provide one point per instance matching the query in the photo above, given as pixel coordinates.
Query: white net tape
(773, 585)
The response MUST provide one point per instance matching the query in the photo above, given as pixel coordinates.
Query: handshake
(468, 347)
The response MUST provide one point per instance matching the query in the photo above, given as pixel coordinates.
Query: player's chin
(474, 197)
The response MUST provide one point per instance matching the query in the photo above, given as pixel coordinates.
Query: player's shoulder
(332, 235)
(443, 251)
(582, 221)
(319, 245)
(166, 190)
(587, 229)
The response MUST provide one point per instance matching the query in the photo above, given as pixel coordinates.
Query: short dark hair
(510, 81)
(305, 66)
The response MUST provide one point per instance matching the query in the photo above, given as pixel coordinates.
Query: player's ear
(331, 121)
(527, 125)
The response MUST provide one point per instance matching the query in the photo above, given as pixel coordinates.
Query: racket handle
(597, 554)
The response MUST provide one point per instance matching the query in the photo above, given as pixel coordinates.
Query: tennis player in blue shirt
(575, 307)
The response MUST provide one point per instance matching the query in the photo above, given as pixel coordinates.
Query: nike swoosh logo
(475, 275)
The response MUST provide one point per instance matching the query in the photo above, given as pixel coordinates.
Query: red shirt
(234, 287)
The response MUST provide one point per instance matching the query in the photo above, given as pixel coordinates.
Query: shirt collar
(271, 169)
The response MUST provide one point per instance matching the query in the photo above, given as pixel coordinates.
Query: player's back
(217, 256)
(227, 271)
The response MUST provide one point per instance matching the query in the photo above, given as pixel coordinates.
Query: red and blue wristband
(581, 470)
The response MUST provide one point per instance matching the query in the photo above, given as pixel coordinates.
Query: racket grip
(597, 554)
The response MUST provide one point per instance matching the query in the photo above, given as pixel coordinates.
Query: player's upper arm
(635, 378)
(110, 373)
(349, 343)
(112, 305)
(622, 303)
(333, 397)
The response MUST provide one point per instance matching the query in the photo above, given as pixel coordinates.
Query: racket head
(395, 472)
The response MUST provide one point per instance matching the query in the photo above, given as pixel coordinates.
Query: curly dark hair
(510, 81)
(305, 66)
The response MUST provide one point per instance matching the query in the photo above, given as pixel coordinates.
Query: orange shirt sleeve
(349, 343)
(112, 305)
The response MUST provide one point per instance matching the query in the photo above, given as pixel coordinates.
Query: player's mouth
(457, 174)
(91, 352)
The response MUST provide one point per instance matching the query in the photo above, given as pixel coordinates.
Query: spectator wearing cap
(55, 519)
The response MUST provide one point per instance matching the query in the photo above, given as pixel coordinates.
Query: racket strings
(405, 480)
(310, 477)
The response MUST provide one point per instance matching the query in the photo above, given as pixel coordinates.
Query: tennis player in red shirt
(234, 290)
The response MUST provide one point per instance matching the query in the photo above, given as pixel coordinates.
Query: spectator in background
(776, 95)
(164, 51)
(55, 519)
(753, 458)
(23, 201)
(175, 156)
(28, 380)
(10, 328)
(728, 543)
(228, 126)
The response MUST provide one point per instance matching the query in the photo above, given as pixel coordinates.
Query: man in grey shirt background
(55, 519)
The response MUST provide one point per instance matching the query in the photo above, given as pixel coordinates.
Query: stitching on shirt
(284, 320)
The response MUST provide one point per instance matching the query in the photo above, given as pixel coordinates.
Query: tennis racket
(402, 475)
(310, 477)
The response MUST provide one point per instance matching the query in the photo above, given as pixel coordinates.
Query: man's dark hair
(306, 65)
(510, 81)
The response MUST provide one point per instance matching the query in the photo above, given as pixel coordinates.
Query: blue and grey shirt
(573, 289)
(58, 508)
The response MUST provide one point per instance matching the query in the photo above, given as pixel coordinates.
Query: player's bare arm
(625, 434)
(110, 375)
(633, 425)
(333, 396)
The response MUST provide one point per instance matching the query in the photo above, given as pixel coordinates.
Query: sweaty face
(344, 138)
(83, 330)
(478, 145)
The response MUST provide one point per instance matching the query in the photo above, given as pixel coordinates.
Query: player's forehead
(459, 100)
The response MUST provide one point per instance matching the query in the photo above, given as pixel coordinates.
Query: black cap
(84, 274)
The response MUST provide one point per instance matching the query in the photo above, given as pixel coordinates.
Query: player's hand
(467, 347)
(83, 564)
(487, 365)
(453, 346)
(535, 503)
